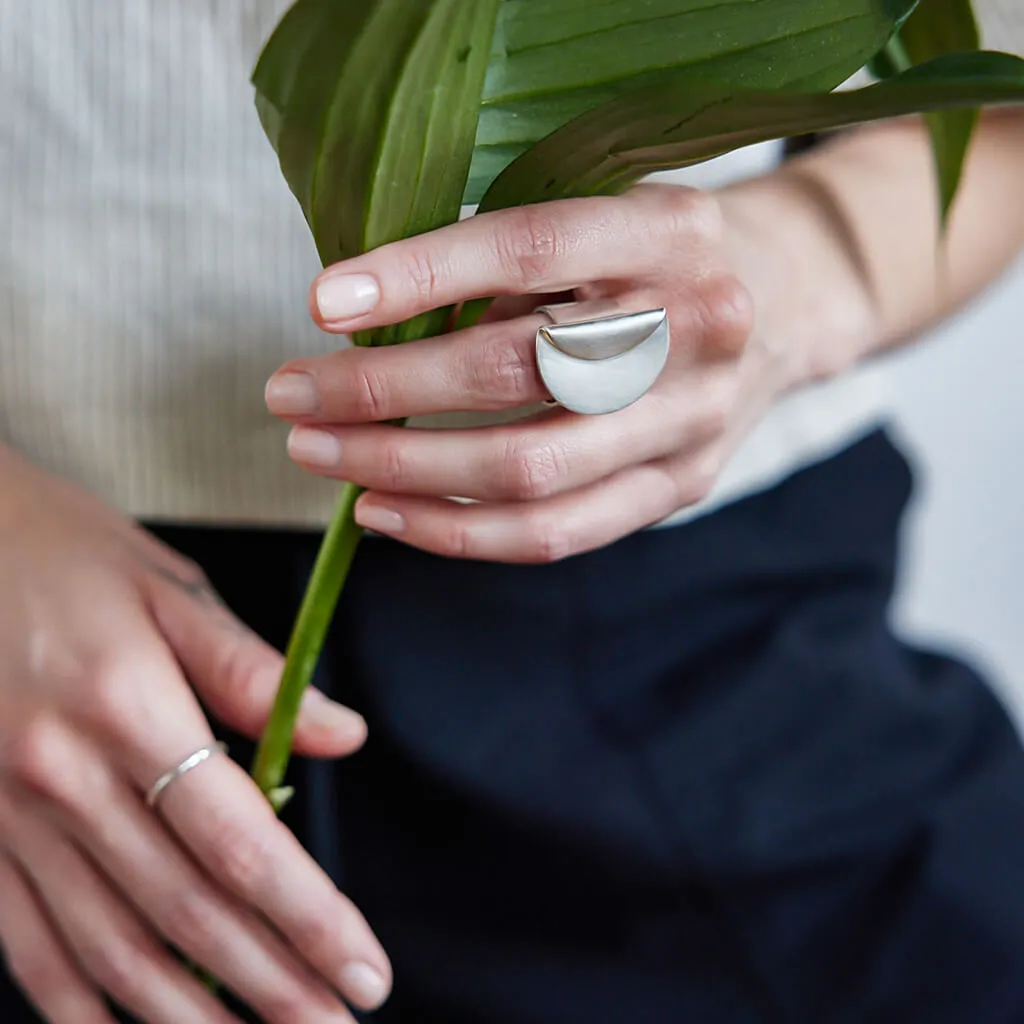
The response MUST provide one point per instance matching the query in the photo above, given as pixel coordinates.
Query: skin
(109, 641)
(769, 285)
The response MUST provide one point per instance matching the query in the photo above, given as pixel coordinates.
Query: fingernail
(344, 296)
(314, 447)
(319, 709)
(380, 519)
(363, 985)
(292, 394)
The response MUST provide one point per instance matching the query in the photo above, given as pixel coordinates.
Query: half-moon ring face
(604, 364)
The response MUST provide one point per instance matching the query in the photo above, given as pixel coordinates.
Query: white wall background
(961, 415)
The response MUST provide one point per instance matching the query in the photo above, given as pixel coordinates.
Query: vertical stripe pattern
(154, 267)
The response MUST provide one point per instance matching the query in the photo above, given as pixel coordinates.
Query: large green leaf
(682, 121)
(372, 107)
(377, 107)
(936, 28)
(552, 60)
(297, 74)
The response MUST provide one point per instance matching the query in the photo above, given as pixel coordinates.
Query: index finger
(548, 247)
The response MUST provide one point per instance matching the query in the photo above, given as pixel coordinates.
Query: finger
(38, 962)
(522, 461)
(508, 307)
(142, 707)
(481, 368)
(109, 941)
(549, 247)
(493, 366)
(536, 532)
(236, 674)
(229, 827)
(130, 844)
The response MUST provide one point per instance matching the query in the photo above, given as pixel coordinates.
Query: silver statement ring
(155, 791)
(595, 360)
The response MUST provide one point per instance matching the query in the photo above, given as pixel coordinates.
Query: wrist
(814, 310)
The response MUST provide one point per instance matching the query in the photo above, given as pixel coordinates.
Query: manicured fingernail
(380, 519)
(319, 709)
(364, 985)
(314, 447)
(344, 296)
(292, 394)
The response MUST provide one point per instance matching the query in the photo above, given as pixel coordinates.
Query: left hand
(557, 483)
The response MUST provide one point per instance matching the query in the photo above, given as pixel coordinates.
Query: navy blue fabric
(692, 777)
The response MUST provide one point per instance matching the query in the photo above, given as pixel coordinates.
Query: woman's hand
(100, 627)
(558, 483)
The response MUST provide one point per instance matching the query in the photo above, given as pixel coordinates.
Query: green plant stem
(330, 571)
(307, 640)
(896, 54)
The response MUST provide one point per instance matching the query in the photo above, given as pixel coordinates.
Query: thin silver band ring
(155, 791)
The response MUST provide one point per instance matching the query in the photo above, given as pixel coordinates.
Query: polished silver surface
(594, 361)
(192, 761)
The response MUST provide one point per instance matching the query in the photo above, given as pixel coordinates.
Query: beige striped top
(154, 267)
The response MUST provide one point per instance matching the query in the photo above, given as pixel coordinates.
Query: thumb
(236, 674)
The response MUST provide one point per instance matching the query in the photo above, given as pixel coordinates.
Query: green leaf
(377, 107)
(295, 80)
(372, 107)
(552, 60)
(891, 60)
(939, 27)
(936, 28)
(682, 121)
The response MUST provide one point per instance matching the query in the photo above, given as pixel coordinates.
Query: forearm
(843, 245)
(9, 461)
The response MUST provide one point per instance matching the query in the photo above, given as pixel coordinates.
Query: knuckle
(712, 420)
(548, 541)
(727, 314)
(424, 275)
(715, 410)
(393, 466)
(185, 574)
(455, 539)
(245, 675)
(112, 693)
(239, 676)
(370, 394)
(698, 482)
(315, 935)
(242, 857)
(698, 487)
(531, 471)
(192, 922)
(117, 966)
(190, 572)
(503, 370)
(693, 216)
(35, 758)
(528, 246)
